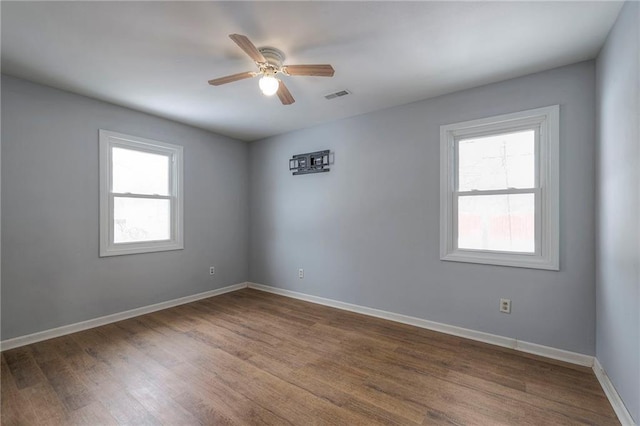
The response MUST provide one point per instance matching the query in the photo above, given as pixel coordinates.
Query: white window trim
(110, 139)
(547, 217)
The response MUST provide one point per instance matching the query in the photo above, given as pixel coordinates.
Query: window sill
(122, 249)
(502, 259)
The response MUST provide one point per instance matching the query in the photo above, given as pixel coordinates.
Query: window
(140, 195)
(499, 191)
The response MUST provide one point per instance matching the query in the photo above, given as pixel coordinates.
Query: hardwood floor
(250, 357)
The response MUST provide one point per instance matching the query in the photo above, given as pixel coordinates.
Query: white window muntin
(545, 123)
(110, 140)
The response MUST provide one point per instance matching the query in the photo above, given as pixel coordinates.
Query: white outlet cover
(505, 306)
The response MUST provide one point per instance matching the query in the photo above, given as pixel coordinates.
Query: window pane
(141, 219)
(497, 162)
(497, 222)
(140, 172)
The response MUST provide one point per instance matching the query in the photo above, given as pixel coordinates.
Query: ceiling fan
(269, 62)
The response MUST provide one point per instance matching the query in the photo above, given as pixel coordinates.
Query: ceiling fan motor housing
(274, 57)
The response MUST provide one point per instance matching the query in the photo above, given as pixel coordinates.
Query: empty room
(316, 212)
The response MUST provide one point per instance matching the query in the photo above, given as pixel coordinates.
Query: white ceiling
(157, 56)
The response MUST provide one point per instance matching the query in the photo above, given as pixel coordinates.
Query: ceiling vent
(337, 94)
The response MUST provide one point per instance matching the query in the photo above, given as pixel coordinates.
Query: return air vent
(337, 94)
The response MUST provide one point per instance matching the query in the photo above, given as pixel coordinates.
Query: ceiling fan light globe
(268, 85)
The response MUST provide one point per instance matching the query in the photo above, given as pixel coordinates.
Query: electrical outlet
(212, 270)
(505, 306)
(301, 273)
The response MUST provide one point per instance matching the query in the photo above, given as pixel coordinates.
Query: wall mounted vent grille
(337, 94)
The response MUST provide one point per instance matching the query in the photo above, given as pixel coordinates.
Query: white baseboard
(554, 353)
(108, 319)
(559, 354)
(612, 394)
(507, 342)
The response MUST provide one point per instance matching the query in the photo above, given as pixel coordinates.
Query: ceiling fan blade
(284, 94)
(324, 70)
(232, 78)
(249, 48)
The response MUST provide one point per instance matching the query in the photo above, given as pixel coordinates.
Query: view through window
(494, 213)
(140, 195)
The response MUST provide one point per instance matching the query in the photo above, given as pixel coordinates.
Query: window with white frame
(140, 195)
(499, 190)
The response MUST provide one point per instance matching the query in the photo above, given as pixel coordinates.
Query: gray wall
(51, 272)
(368, 231)
(618, 207)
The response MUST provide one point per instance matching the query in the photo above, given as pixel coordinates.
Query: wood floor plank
(69, 388)
(250, 357)
(113, 376)
(207, 401)
(92, 414)
(355, 383)
(211, 396)
(164, 408)
(24, 370)
(16, 407)
(46, 404)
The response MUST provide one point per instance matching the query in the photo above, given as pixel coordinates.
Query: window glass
(141, 219)
(139, 172)
(497, 222)
(497, 161)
